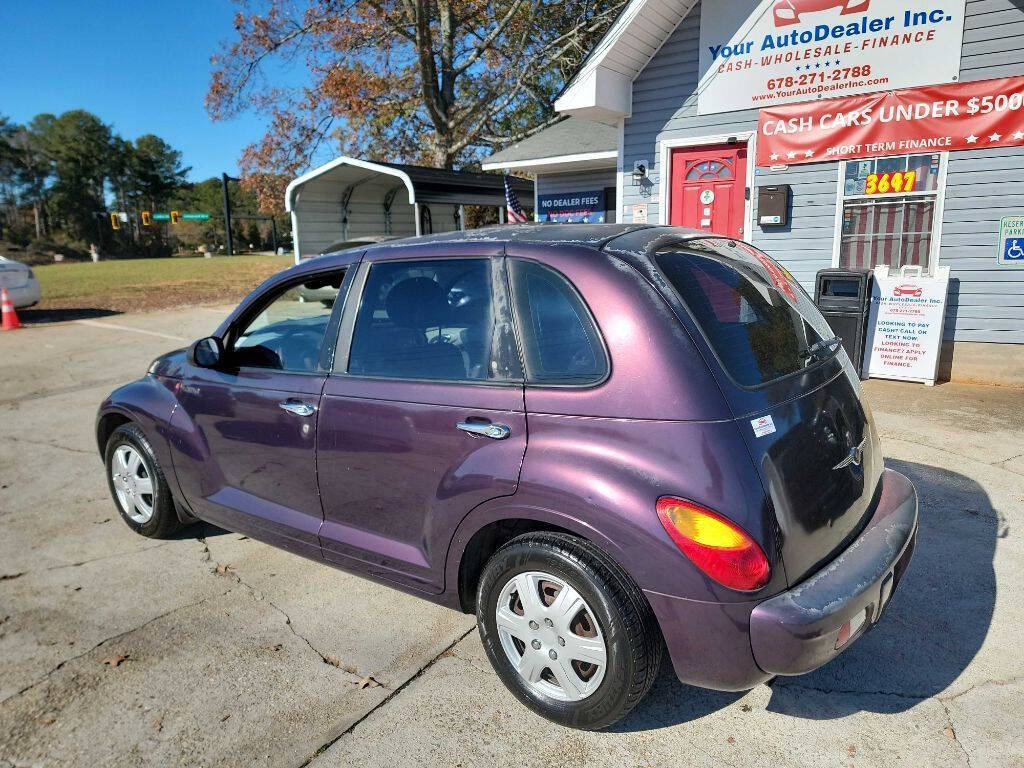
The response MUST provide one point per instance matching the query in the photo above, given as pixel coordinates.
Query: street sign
(161, 217)
(196, 216)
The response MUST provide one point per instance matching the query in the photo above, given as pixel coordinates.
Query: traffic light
(175, 217)
(146, 219)
(115, 221)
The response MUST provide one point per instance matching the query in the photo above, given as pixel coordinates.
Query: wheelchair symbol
(1014, 251)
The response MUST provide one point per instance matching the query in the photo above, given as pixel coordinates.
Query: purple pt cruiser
(607, 441)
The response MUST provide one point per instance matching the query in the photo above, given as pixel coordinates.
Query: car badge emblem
(854, 457)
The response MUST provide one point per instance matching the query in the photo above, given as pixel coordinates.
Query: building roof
(424, 185)
(602, 88)
(571, 144)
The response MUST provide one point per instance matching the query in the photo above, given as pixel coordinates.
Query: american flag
(513, 210)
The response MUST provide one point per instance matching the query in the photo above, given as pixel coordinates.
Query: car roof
(630, 240)
(615, 236)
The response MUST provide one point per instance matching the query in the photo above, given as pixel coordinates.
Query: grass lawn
(132, 285)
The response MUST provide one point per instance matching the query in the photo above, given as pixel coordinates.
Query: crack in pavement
(328, 744)
(44, 444)
(61, 391)
(952, 733)
(260, 595)
(780, 684)
(110, 639)
(108, 557)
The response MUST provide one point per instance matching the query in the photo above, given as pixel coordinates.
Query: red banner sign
(939, 118)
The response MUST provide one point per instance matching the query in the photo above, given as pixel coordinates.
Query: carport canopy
(349, 198)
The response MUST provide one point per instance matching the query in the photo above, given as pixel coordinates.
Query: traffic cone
(10, 317)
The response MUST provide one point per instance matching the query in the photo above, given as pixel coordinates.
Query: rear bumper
(735, 646)
(797, 631)
(25, 295)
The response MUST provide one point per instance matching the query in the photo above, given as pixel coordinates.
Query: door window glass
(288, 333)
(425, 320)
(560, 340)
(889, 211)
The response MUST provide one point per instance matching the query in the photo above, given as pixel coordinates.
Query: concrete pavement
(213, 649)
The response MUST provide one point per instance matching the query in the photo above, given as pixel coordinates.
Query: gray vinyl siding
(581, 181)
(985, 303)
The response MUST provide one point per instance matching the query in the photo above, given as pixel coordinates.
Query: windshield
(758, 320)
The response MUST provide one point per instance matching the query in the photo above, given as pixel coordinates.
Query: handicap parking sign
(1011, 242)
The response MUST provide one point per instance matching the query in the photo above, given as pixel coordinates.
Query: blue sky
(141, 67)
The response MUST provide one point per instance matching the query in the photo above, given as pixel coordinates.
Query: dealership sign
(758, 53)
(905, 325)
(585, 207)
(987, 114)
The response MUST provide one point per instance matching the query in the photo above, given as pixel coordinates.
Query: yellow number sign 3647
(890, 183)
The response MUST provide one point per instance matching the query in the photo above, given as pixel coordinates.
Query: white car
(20, 282)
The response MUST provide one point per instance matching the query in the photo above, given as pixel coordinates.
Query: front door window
(288, 333)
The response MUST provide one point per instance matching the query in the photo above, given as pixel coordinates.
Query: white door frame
(665, 147)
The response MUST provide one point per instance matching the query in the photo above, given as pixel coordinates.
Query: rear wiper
(814, 352)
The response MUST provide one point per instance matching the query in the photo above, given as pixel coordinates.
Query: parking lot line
(116, 327)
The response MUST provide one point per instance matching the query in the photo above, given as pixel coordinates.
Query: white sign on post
(756, 53)
(905, 325)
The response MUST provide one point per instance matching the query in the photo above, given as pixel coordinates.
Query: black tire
(164, 521)
(632, 637)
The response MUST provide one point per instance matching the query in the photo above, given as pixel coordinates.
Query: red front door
(708, 189)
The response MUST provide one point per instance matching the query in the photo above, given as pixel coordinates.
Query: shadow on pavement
(42, 316)
(200, 530)
(932, 629)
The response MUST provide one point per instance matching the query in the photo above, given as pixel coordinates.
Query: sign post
(908, 313)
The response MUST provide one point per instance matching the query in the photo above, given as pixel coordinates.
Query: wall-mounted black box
(773, 205)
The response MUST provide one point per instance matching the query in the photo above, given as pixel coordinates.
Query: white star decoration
(972, 139)
(1019, 136)
(774, 156)
(809, 153)
(995, 137)
(791, 155)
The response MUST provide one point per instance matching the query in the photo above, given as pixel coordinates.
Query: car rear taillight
(720, 548)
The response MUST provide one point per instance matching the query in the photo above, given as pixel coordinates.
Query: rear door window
(559, 338)
(757, 319)
(430, 319)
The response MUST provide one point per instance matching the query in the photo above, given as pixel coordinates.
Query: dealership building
(850, 133)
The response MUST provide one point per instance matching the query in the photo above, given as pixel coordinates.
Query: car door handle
(299, 409)
(493, 431)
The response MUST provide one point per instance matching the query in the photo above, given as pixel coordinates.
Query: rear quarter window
(560, 341)
(755, 316)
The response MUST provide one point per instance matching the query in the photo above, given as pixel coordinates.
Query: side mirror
(206, 353)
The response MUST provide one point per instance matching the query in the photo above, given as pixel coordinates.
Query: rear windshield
(758, 320)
